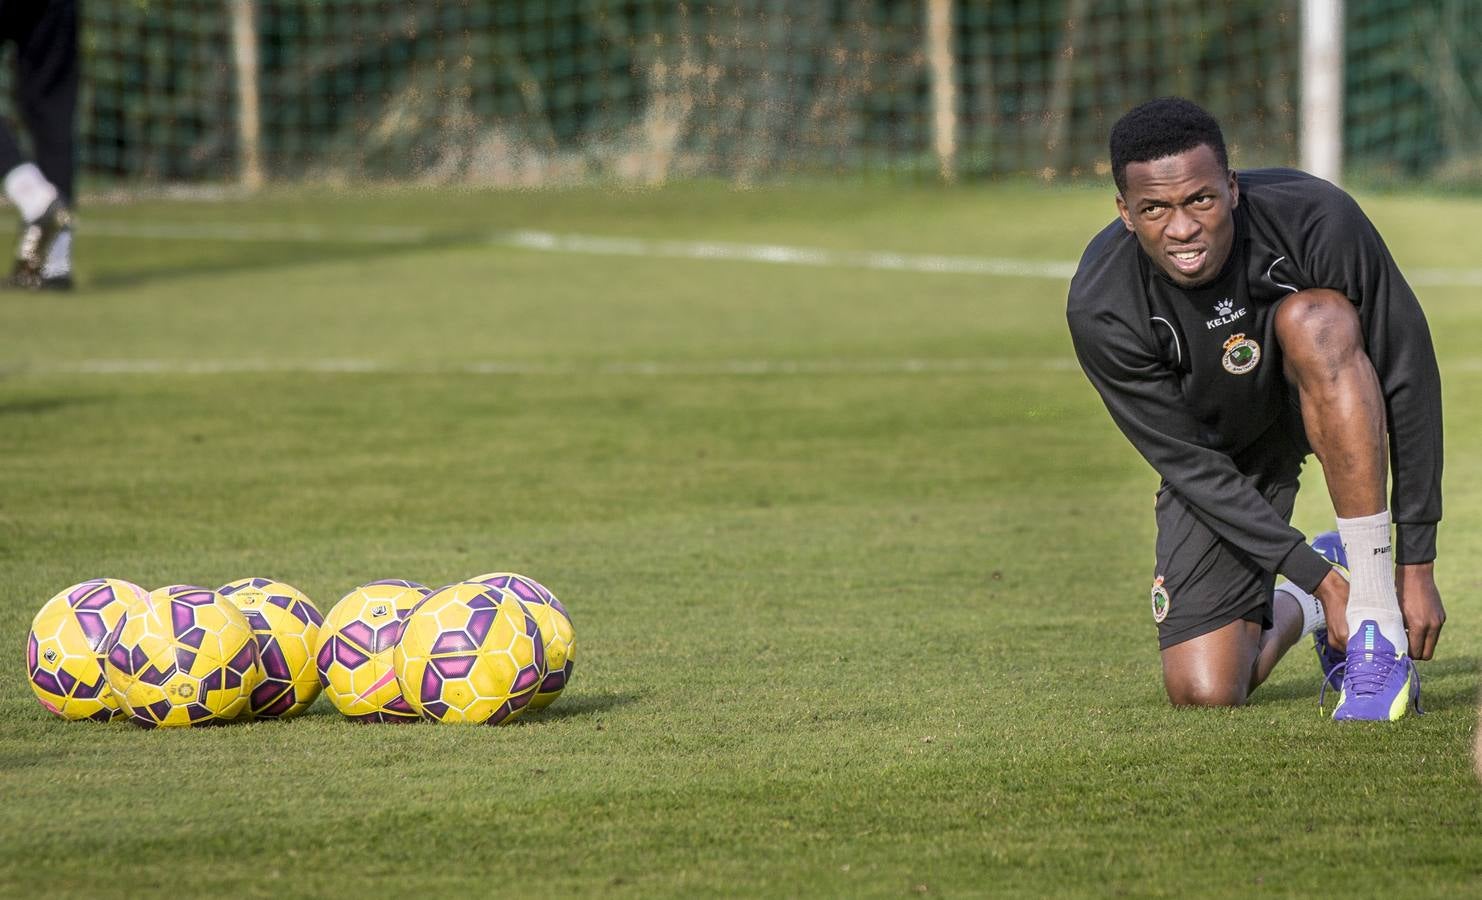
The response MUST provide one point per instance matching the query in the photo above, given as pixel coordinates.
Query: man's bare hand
(1333, 595)
(1420, 604)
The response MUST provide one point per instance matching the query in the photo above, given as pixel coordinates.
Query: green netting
(1414, 86)
(543, 91)
(158, 91)
(1045, 81)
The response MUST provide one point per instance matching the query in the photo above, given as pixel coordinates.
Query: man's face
(1182, 209)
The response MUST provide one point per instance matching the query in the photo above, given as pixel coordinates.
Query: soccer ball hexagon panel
(470, 653)
(182, 656)
(285, 623)
(356, 645)
(556, 631)
(64, 648)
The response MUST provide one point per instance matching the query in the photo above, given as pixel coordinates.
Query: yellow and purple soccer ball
(356, 643)
(556, 631)
(182, 656)
(470, 653)
(285, 624)
(64, 649)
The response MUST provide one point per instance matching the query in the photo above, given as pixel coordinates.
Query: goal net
(527, 92)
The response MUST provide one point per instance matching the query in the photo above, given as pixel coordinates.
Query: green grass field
(858, 564)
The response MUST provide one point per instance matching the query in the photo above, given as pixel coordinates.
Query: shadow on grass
(264, 256)
(1432, 695)
(564, 708)
(580, 705)
(39, 405)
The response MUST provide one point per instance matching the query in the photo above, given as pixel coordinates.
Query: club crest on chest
(1241, 354)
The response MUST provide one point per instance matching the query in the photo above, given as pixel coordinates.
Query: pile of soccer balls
(481, 651)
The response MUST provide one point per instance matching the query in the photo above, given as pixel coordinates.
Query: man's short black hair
(1163, 127)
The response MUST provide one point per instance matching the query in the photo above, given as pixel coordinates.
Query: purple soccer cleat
(1380, 684)
(1330, 546)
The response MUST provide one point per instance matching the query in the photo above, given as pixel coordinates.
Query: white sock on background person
(1371, 576)
(29, 190)
(59, 257)
(1312, 613)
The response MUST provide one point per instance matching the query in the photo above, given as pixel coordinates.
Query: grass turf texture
(867, 631)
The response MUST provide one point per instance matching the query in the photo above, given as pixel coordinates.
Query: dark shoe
(35, 243)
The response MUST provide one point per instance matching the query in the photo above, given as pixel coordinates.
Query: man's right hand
(1333, 595)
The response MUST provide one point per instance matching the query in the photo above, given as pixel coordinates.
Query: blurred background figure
(1477, 751)
(44, 34)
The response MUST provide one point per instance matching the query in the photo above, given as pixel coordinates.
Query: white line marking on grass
(644, 368)
(210, 367)
(594, 245)
(784, 255)
(600, 245)
(1445, 277)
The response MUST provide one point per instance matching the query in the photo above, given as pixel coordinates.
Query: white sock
(59, 258)
(1312, 614)
(1371, 574)
(29, 190)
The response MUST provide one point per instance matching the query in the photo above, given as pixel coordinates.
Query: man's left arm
(1349, 255)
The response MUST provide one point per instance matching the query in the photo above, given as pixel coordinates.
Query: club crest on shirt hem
(1241, 354)
(1161, 600)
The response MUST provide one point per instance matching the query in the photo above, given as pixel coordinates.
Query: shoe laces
(1327, 682)
(1370, 680)
(1365, 671)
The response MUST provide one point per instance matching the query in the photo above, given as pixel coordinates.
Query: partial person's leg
(1323, 356)
(24, 185)
(43, 216)
(47, 65)
(1220, 629)
(10, 148)
(1477, 749)
(1288, 626)
(1343, 412)
(1215, 668)
(1223, 667)
(1344, 416)
(47, 73)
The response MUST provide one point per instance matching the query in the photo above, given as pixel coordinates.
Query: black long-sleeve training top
(1181, 370)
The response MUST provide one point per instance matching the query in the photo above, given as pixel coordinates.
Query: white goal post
(249, 104)
(1321, 139)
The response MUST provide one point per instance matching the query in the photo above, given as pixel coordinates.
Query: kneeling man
(1233, 323)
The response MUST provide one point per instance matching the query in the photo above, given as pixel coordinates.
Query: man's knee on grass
(1214, 668)
(1192, 692)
